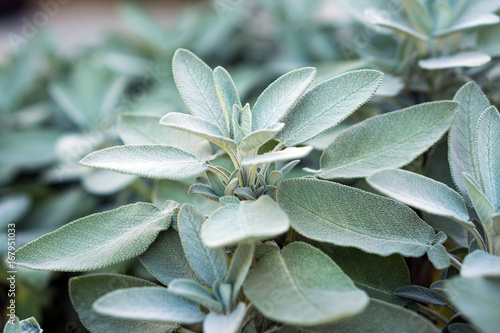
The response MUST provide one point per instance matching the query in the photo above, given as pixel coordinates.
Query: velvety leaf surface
(469, 59)
(154, 304)
(209, 264)
(97, 240)
(151, 161)
(215, 323)
(390, 140)
(478, 299)
(303, 286)
(480, 263)
(195, 82)
(227, 92)
(327, 104)
(421, 295)
(282, 155)
(85, 290)
(421, 193)
(280, 96)
(462, 137)
(482, 205)
(197, 126)
(165, 258)
(488, 143)
(257, 138)
(145, 129)
(346, 216)
(246, 222)
(378, 317)
(240, 264)
(197, 293)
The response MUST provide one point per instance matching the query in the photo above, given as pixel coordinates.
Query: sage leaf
(421, 295)
(197, 126)
(421, 193)
(478, 299)
(209, 264)
(194, 291)
(468, 59)
(488, 143)
(419, 15)
(389, 140)
(165, 258)
(338, 214)
(85, 290)
(303, 287)
(396, 24)
(195, 82)
(378, 276)
(144, 129)
(151, 161)
(227, 92)
(482, 205)
(153, 304)
(328, 104)
(240, 264)
(97, 240)
(480, 264)
(276, 156)
(257, 138)
(215, 323)
(246, 222)
(462, 136)
(437, 254)
(280, 97)
(378, 317)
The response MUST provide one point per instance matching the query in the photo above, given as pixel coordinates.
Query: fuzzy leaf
(85, 290)
(165, 258)
(257, 138)
(153, 304)
(378, 317)
(462, 137)
(478, 299)
(199, 127)
(145, 129)
(194, 291)
(195, 82)
(151, 161)
(209, 264)
(421, 295)
(395, 23)
(97, 240)
(389, 140)
(303, 286)
(277, 100)
(247, 222)
(468, 59)
(479, 264)
(482, 205)
(240, 264)
(488, 143)
(215, 323)
(421, 193)
(282, 155)
(327, 104)
(338, 214)
(227, 92)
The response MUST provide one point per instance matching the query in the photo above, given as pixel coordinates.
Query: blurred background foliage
(57, 106)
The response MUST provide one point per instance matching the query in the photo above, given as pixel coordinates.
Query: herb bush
(299, 254)
(243, 251)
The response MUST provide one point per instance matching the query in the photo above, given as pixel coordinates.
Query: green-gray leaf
(197, 126)
(240, 264)
(227, 92)
(303, 287)
(488, 143)
(215, 323)
(209, 264)
(482, 205)
(469, 59)
(280, 97)
(421, 295)
(421, 193)
(378, 317)
(151, 161)
(287, 154)
(144, 129)
(165, 258)
(195, 82)
(246, 222)
(194, 291)
(462, 137)
(327, 104)
(153, 304)
(85, 290)
(346, 216)
(97, 240)
(480, 263)
(257, 138)
(478, 299)
(389, 140)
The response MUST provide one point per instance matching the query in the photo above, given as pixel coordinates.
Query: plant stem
(479, 239)
(218, 172)
(455, 262)
(432, 313)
